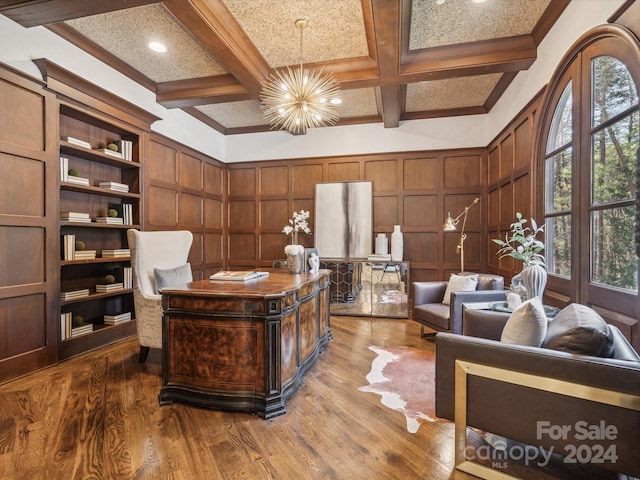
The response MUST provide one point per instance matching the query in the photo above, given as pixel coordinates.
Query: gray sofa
(429, 311)
(539, 396)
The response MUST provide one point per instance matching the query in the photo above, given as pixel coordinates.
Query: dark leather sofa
(529, 394)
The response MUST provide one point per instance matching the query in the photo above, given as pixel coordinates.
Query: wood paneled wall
(29, 246)
(510, 178)
(183, 190)
(411, 189)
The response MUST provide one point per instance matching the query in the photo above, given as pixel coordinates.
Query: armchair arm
(484, 323)
(428, 292)
(460, 298)
(501, 405)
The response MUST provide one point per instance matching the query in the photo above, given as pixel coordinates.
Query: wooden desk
(243, 345)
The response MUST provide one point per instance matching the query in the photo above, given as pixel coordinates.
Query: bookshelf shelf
(92, 201)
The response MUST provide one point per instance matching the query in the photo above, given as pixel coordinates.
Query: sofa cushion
(172, 276)
(579, 329)
(433, 315)
(527, 325)
(459, 283)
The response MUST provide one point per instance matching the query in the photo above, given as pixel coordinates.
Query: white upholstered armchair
(167, 251)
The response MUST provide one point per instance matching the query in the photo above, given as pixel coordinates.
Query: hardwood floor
(97, 417)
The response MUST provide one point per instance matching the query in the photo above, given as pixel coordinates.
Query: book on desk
(237, 276)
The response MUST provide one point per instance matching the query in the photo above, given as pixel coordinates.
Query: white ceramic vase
(534, 277)
(397, 244)
(382, 244)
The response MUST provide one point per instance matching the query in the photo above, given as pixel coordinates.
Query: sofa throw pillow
(459, 283)
(172, 276)
(527, 325)
(581, 330)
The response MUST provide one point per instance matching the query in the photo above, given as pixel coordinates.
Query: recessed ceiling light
(478, 1)
(157, 47)
(439, 2)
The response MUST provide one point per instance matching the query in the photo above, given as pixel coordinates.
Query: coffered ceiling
(395, 60)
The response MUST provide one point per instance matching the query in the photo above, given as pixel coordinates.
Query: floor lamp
(450, 226)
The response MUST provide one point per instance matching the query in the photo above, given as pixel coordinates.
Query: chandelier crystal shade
(299, 99)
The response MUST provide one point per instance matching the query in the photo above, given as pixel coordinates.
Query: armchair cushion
(527, 325)
(172, 276)
(459, 283)
(579, 329)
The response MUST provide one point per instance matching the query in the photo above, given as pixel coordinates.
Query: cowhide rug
(404, 377)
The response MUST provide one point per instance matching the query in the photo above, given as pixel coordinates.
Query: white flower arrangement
(293, 249)
(297, 223)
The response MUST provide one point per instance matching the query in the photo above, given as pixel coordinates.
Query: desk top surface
(277, 282)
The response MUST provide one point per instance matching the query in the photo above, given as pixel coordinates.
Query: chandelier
(298, 99)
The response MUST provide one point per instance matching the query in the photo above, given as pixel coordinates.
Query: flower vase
(397, 244)
(295, 258)
(534, 277)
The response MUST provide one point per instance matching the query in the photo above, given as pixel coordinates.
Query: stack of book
(126, 147)
(81, 329)
(379, 257)
(64, 169)
(68, 247)
(109, 287)
(237, 276)
(65, 325)
(75, 217)
(119, 187)
(115, 319)
(124, 275)
(84, 255)
(73, 294)
(108, 151)
(110, 220)
(77, 180)
(76, 141)
(125, 211)
(118, 252)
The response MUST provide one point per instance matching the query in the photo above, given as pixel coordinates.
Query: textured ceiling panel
(461, 21)
(235, 114)
(451, 93)
(126, 34)
(358, 103)
(335, 31)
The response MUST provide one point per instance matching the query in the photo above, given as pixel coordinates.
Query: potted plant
(521, 243)
(294, 251)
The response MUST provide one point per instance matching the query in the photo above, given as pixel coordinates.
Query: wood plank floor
(97, 417)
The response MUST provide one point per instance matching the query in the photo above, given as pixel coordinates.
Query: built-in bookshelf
(99, 199)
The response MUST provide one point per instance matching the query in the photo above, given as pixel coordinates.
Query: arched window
(587, 150)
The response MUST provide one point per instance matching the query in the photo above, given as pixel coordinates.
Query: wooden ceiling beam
(211, 23)
(31, 13)
(201, 91)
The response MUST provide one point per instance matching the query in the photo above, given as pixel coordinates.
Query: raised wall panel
(522, 195)
(305, 178)
(189, 211)
(161, 163)
(242, 214)
(385, 211)
(21, 117)
(21, 321)
(422, 173)
(462, 171)
(24, 194)
(494, 165)
(506, 156)
(212, 248)
(22, 256)
(493, 206)
(242, 247)
(272, 246)
(189, 172)
(343, 172)
(212, 213)
(421, 248)
(242, 182)
(420, 210)
(507, 215)
(273, 214)
(523, 134)
(274, 180)
(213, 179)
(383, 174)
(162, 208)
